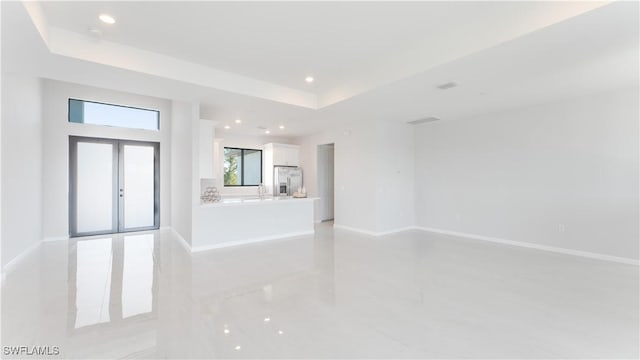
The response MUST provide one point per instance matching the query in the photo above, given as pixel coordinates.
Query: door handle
(121, 192)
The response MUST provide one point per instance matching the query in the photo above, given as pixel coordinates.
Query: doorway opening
(326, 165)
(114, 186)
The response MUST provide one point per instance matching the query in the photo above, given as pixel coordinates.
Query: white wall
(309, 163)
(356, 179)
(325, 177)
(56, 146)
(181, 168)
(21, 139)
(562, 174)
(373, 175)
(21, 163)
(395, 176)
(206, 136)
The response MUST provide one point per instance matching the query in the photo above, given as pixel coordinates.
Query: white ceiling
(595, 52)
(372, 61)
(349, 47)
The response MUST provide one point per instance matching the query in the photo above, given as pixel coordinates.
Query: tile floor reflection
(333, 295)
(111, 280)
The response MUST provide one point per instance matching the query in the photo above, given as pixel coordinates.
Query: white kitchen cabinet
(278, 155)
(283, 154)
(292, 157)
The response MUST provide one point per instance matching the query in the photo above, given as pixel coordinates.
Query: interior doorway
(114, 186)
(326, 167)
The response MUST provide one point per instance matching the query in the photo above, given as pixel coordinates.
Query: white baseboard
(349, 228)
(394, 231)
(56, 238)
(11, 265)
(373, 233)
(226, 244)
(555, 249)
(181, 239)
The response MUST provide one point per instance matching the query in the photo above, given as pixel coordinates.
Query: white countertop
(254, 200)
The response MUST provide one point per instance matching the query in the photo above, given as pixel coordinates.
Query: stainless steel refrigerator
(286, 180)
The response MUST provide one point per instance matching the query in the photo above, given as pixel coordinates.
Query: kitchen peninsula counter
(252, 200)
(244, 220)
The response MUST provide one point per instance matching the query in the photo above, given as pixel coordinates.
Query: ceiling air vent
(422, 121)
(447, 86)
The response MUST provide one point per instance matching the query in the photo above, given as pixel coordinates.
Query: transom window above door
(90, 112)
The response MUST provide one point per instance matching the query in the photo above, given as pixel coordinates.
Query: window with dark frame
(97, 113)
(242, 167)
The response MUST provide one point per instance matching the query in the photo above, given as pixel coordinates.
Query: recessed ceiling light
(107, 19)
(309, 79)
(227, 127)
(267, 132)
(281, 127)
(280, 332)
(238, 121)
(226, 331)
(238, 348)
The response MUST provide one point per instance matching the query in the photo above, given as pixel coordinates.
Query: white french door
(113, 186)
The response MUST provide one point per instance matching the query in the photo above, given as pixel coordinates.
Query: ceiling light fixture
(238, 121)
(267, 132)
(227, 127)
(107, 19)
(309, 79)
(281, 127)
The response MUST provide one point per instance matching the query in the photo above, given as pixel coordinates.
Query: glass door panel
(113, 186)
(94, 176)
(138, 186)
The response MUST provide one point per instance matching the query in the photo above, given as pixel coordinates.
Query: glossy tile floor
(333, 295)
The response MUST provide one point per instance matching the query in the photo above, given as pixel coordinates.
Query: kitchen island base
(235, 222)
